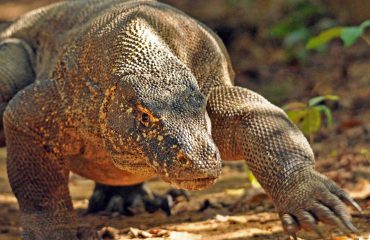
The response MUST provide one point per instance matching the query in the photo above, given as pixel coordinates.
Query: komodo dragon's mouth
(193, 184)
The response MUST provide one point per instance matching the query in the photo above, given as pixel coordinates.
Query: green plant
(296, 20)
(309, 116)
(349, 35)
(251, 178)
(294, 28)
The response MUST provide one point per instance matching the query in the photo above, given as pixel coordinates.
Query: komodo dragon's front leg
(37, 170)
(246, 126)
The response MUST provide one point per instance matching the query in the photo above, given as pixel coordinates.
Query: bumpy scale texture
(122, 91)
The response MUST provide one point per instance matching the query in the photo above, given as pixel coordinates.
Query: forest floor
(232, 208)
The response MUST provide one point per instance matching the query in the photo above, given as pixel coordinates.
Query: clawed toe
(290, 225)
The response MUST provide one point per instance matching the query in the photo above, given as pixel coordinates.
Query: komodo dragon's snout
(169, 125)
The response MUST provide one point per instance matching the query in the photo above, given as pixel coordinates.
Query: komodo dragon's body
(120, 92)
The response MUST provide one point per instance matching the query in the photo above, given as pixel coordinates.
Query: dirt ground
(232, 208)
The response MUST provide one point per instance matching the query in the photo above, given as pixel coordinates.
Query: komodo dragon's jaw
(192, 171)
(194, 177)
(193, 184)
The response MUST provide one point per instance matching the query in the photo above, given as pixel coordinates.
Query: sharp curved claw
(167, 205)
(308, 222)
(346, 220)
(354, 204)
(351, 227)
(339, 210)
(342, 195)
(326, 215)
(347, 199)
(290, 225)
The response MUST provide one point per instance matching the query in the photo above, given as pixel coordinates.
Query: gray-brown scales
(122, 91)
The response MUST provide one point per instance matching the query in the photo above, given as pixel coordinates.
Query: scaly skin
(120, 92)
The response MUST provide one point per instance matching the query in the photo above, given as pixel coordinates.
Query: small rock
(221, 218)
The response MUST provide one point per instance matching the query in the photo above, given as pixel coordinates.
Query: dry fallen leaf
(231, 219)
(362, 190)
(183, 236)
(235, 192)
(157, 232)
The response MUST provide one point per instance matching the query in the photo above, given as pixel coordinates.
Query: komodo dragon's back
(52, 29)
(47, 30)
(56, 20)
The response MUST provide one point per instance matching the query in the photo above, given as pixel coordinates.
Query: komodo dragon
(122, 91)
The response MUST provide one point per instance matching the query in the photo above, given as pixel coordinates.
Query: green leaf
(308, 117)
(294, 106)
(280, 30)
(365, 24)
(316, 100)
(296, 116)
(253, 180)
(349, 35)
(324, 37)
(296, 36)
(327, 112)
(311, 122)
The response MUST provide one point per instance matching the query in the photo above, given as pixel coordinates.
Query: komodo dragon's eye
(144, 116)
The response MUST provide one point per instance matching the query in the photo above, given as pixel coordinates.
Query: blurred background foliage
(309, 116)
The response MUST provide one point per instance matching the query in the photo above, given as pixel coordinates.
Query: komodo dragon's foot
(130, 200)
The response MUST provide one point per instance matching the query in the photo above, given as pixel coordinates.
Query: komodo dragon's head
(163, 120)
